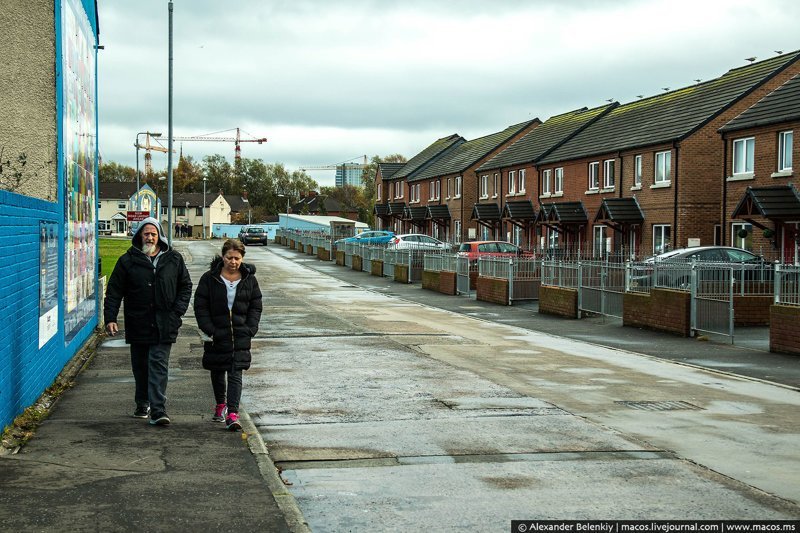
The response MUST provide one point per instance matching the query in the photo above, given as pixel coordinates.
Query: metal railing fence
(787, 285)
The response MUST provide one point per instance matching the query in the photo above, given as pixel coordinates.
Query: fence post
(627, 276)
(693, 298)
(580, 287)
(777, 285)
(510, 281)
(730, 304)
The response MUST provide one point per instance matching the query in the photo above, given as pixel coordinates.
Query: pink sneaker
(219, 412)
(232, 422)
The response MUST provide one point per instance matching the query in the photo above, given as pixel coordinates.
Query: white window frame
(663, 167)
(485, 186)
(448, 189)
(745, 243)
(599, 239)
(512, 182)
(379, 191)
(662, 233)
(594, 175)
(438, 189)
(637, 171)
(496, 189)
(743, 156)
(546, 181)
(458, 187)
(457, 231)
(558, 182)
(609, 179)
(521, 181)
(122, 205)
(785, 141)
(431, 190)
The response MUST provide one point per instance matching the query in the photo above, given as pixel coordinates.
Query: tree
(187, 176)
(368, 179)
(219, 174)
(113, 172)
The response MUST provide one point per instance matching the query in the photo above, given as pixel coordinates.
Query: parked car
(476, 249)
(417, 241)
(369, 237)
(750, 267)
(253, 234)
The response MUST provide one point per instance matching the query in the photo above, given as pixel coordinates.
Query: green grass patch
(110, 250)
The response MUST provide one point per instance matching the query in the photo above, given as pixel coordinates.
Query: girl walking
(227, 306)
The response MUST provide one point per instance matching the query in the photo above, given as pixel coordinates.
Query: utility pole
(169, 134)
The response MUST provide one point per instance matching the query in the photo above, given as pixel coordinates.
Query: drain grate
(660, 406)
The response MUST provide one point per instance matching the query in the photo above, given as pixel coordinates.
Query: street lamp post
(138, 196)
(204, 207)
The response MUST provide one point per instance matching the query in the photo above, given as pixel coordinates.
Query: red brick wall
(376, 268)
(401, 273)
(323, 254)
(558, 301)
(751, 310)
(492, 290)
(662, 310)
(447, 283)
(358, 263)
(430, 280)
(783, 335)
(340, 257)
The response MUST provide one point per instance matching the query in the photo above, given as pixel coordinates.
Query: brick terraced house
(761, 200)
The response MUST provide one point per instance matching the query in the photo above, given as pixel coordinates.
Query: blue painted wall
(226, 231)
(25, 369)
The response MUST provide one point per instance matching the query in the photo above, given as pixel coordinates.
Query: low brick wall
(358, 263)
(430, 280)
(340, 257)
(447, 283)
(292, 244)
(751, 310)
(401, 273)
(376, 268)
(473, 280)
(310, 250)
(662, 310)
(323, 254)
(492, 290)
(558, 301)
(783, 337)
(301, 247)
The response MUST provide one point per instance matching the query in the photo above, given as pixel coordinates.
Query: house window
(663, 167)
(180, 212)
(742, 236)
(484, 186)
(448, 188)
(438, 189)
(380, 191)
(496, 185)
(198, 212)
(594, 176)
(163, 210)
(457, 231)
(785, 139)
(599, 242)
(512, 182)
(521, 180)
(546, 181)
(743, 150)
(661, 238)
(432, 191)
(608, 174)
(104, 225)
(637, 171)
(559, 180)
(458, 187)
(122, 205)
(552, 238)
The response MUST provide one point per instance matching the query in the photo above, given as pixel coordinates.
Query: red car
(476, 249)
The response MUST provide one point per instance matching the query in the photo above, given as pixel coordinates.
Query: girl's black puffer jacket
(232, 330)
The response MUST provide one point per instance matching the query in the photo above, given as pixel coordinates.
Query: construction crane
(148, 163)
(237, 140)
(343, 166)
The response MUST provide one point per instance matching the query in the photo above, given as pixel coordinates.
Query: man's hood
(137, 237)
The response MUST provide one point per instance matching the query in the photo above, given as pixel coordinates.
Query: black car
(253, 234)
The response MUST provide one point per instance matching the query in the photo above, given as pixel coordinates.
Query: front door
(791, 234)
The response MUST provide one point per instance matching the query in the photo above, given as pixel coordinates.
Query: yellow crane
(148, 163)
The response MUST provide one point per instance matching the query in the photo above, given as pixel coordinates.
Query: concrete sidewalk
(92, 467)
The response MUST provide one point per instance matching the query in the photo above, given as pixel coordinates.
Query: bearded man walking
(152, 280)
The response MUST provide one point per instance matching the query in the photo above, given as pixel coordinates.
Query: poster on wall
(79, 137)
(48, 281)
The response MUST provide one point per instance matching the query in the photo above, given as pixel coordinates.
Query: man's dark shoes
(159, 419)
(142, 410)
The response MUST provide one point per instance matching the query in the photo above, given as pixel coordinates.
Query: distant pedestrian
(152, 280)
(227, 306)
(177, 229)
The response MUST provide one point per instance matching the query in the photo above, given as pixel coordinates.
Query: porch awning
(382, 210)
(416, 213)
(780, 202)
(396, 209)
(519, 210)
(565, 213)
(620, 211)
(438, 212)
(486, 212)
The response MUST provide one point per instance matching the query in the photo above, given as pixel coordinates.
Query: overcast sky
(327, 81)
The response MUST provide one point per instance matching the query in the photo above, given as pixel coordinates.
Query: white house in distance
(116, 199)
